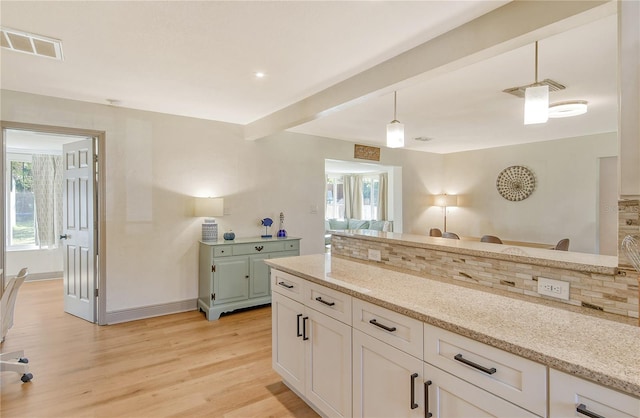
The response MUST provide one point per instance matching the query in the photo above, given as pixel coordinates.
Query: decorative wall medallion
(516, 183)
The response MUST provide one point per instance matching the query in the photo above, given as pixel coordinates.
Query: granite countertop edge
(610, 371)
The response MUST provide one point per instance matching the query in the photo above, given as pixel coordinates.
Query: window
(334, 208)
(370, 190)
(21, 219)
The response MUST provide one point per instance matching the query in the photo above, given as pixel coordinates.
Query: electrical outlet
(374, 255)
(554, 288)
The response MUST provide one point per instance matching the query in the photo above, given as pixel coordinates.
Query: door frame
(99, 196)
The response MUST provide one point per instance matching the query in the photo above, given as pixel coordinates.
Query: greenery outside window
(334, 208)
(21, 219)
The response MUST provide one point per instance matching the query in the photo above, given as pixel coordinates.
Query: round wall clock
(516, 183)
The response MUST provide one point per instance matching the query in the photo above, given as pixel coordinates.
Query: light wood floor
(177, 365)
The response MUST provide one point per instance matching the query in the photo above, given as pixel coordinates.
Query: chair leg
(16, 362)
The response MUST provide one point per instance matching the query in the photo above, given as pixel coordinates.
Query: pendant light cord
(536, 62)
(394, 105)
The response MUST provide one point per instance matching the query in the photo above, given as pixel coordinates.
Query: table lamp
(208, 208)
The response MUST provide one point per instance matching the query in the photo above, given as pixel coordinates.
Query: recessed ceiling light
(567, 109)
(259, 74)
(29, 43)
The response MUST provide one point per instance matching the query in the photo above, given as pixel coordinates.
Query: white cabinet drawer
(335, 304)
(511, 377)
(395, 329)
(568, 393)
(287, 284)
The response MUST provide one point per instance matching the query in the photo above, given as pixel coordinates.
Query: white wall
(156, 163)
(563, 205)
(41, 263)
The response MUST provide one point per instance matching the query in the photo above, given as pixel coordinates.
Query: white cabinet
(387, 382)
(311, 350)
(447, 396)
(233, 274)
(510, 377)
(570, 396)
(387, 363)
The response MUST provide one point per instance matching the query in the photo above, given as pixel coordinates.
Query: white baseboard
(32, 277)
(126, 315)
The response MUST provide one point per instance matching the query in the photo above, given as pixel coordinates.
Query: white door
(78, 230)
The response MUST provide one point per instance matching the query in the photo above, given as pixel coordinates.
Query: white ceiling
(197, 58)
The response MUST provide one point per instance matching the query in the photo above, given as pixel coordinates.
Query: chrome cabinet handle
(475, 365)
(414, 405)
(582, 409)
(384, 327)
(319, 299)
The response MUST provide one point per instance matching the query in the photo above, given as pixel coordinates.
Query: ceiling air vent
(31, 44)
(519, 91)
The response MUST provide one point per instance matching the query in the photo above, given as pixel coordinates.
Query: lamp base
(209, 231)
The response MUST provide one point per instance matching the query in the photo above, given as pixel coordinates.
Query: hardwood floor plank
(177, 365)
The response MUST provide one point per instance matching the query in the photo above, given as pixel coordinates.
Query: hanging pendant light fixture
(536, 100)
(395, 129)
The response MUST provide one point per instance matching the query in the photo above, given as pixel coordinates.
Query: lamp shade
(209, 207)
(536, 104)
(444, 200)
(395, 134)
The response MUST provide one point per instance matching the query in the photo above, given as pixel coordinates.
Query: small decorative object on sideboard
(229, 236)
(266, 222)
(209, 207)
(282, 233)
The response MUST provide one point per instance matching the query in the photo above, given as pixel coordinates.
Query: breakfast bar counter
(594, 348)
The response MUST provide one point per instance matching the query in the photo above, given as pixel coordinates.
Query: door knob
(64, 236)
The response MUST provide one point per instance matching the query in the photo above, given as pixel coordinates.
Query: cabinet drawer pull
(384, 327)
(259, 248)
(298, 334)
(319, 299)
(283, 284)
(475, 365)
(304, 328)
(414, 405)
(427, 414)
(582, 409)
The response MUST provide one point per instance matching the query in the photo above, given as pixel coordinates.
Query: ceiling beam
(515, 24)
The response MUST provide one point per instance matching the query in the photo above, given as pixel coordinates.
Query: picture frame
(365, 152)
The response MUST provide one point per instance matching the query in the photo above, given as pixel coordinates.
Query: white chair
(15, 360)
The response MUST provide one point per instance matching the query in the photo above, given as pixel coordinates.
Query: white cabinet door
(328, 364)
(383, 377)
(450, 397)
(570, 396)
(287, 344)
(312, 353)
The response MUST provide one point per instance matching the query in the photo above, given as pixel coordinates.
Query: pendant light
(395, 129)
(536, 100)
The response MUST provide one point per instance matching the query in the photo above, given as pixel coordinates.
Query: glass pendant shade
(395, 134)
(536, 105)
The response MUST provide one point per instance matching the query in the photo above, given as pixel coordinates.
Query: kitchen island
(599, 350)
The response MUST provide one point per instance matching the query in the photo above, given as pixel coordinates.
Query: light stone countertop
(592, 263)
(604, 351)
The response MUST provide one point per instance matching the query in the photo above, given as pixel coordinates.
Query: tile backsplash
(612, 293)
